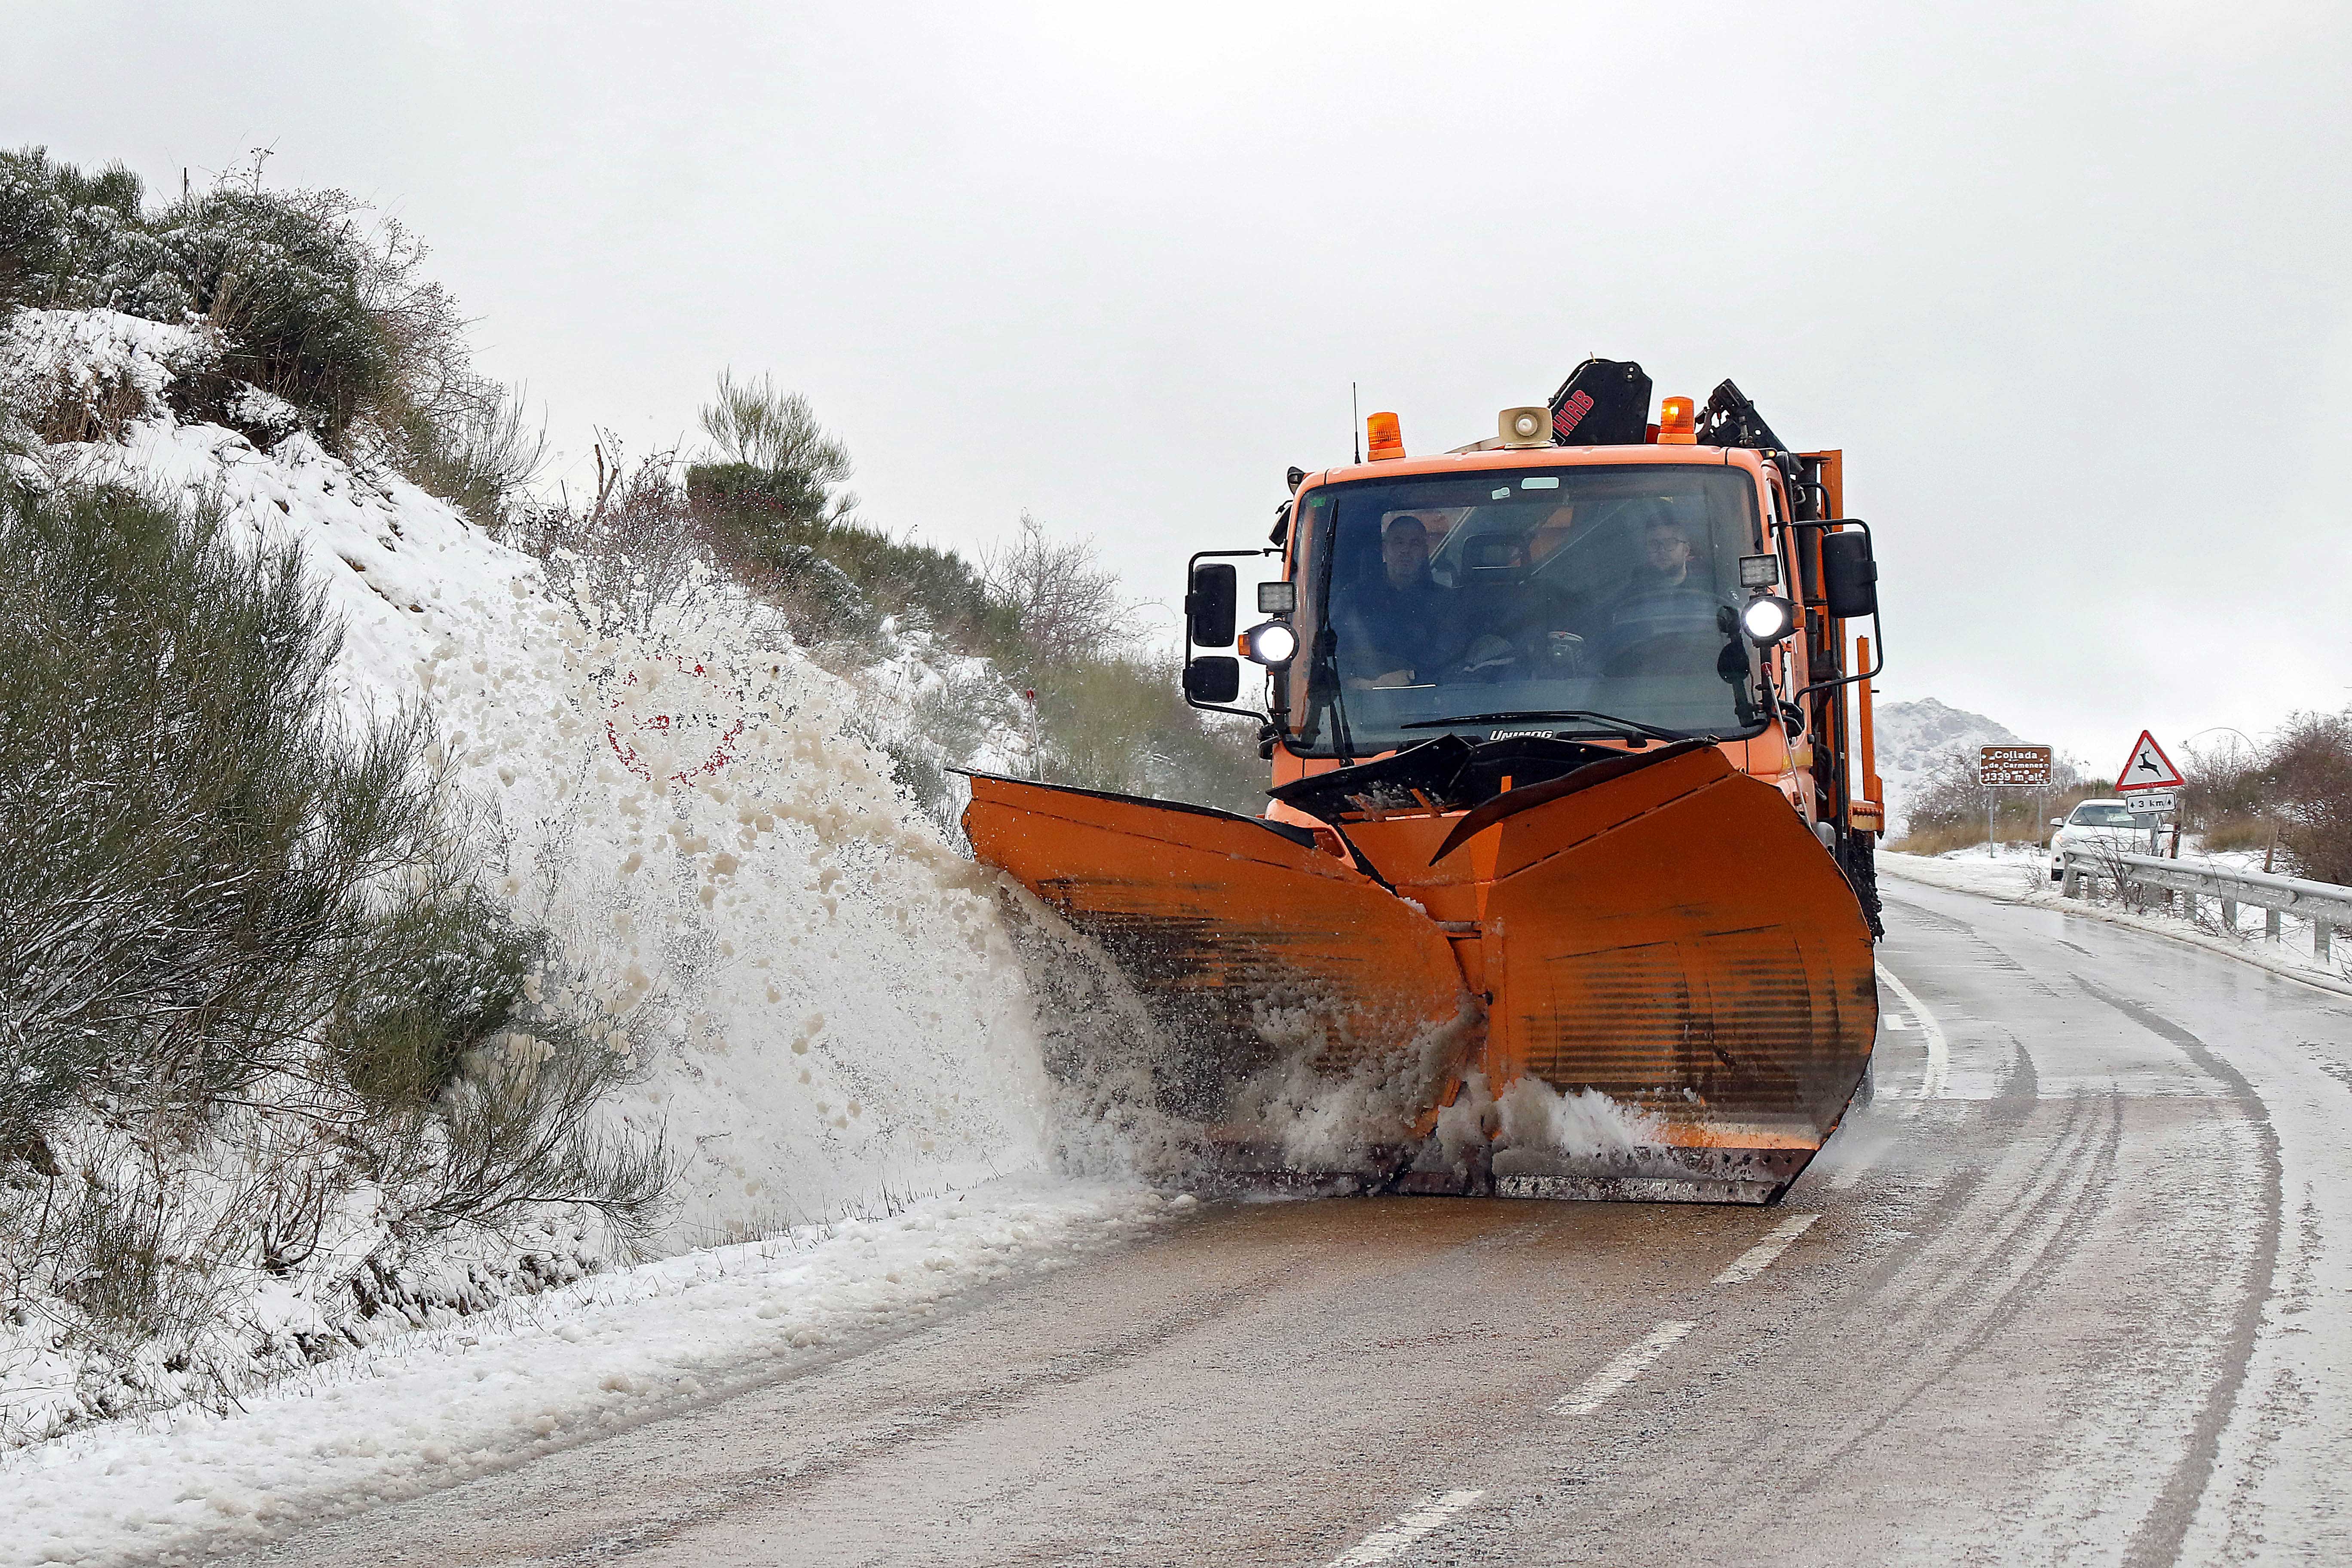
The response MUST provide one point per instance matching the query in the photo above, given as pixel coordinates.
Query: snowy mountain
(1913, 737)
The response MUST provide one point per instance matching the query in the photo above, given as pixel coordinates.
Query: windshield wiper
(1631, 726)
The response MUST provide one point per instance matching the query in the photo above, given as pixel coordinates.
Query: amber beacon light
(1678, 418)
(1384, 439)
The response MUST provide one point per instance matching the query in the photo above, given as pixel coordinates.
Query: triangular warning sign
(2147, 767)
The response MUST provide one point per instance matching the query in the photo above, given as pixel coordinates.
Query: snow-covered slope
(1913, 737)
(693, 805)
(828, 1012)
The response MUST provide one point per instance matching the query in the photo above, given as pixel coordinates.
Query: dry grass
(59, 408)
(1940, 839)
(2239, 833)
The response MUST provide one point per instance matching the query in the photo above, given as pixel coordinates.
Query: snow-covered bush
(254, 1000)
(317, 313)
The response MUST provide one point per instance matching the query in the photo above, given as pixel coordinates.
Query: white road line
(1939, 1054)
(1411, 1525)
(1627, 1366)
(1759, 1258)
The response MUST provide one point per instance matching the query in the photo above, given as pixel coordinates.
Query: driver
(1666, 559)
(1660, 607)
(1400, 625)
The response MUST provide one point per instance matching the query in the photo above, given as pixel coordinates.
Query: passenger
(1663, 614)
(1400, 625)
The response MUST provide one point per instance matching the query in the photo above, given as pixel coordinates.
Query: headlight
(1768, 618)
(1273, 643)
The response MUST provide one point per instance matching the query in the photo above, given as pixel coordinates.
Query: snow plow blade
(1245, 939)
(1662, 930)
(1671, 984)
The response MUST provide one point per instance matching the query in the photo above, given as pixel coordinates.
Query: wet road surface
(2074, 1288)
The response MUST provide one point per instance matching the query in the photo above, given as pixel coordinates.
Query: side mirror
(1849, 574)
(2057, 822)
(1214, 677)
(1209, 608)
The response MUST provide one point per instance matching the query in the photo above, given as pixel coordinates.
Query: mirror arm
(1237, 713)
(1877, 626)
(1877, 648)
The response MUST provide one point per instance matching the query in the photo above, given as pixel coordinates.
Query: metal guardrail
(2323, 904)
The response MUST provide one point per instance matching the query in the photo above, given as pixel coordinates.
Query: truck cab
(1617, 596)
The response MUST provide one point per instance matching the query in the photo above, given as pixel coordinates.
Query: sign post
(2150, 784)
(2009, 767)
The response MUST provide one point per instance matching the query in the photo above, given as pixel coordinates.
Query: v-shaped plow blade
(1643, 979)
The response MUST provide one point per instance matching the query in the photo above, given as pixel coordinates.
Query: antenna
(1355, 424)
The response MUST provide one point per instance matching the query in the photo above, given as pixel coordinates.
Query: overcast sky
(2068, 285)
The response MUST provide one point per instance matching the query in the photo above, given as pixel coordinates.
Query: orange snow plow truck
(1568, 861)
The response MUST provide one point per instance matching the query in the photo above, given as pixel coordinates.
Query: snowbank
(2021, 874)
(428, 1410)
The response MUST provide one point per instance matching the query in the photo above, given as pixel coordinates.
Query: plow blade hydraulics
(1643, 978)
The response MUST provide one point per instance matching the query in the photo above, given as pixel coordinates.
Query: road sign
(2000, 766)
(2147, 768)
(2153, 802)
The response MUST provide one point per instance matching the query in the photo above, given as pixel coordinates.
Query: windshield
(1610, 589)
(2101, 816)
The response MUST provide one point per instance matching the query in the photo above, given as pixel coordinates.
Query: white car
(2094, 824)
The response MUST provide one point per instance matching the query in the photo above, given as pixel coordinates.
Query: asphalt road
(2075, 1288)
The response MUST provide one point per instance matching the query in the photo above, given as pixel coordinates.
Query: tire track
(2160, 1534)
(2040, 1219)
(1916, 1299)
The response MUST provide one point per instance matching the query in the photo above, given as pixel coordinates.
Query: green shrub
(178, 830)
(34, 246)
(1121, 723)
(283, 276)
(441, 973)
(309, 303)
(755, 426)
(841, 575)
(210, 892)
